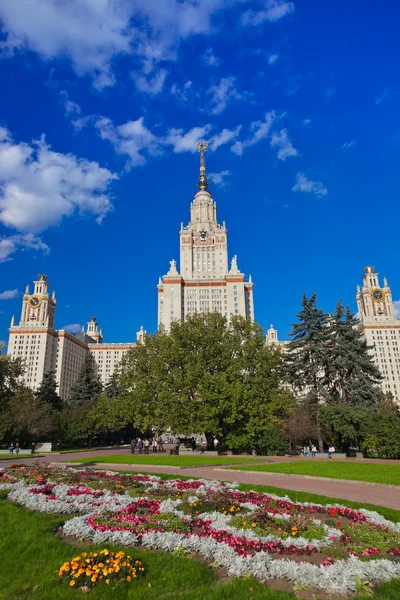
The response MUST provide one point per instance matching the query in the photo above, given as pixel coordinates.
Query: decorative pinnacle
(201, 147)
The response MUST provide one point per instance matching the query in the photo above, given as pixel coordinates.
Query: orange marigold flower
(72, 583)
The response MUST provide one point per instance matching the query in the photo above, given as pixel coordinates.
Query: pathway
(348, 490)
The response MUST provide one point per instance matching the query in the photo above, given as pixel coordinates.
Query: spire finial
(201, 147)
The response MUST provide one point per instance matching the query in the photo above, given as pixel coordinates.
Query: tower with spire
(204, 282)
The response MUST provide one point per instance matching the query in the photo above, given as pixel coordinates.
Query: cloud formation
(273, 11)
(8, 294)
(39, 187)
(223, 93)
(219, 179)
(259, 130)
(307, 185)
(132, 139)
(281, 141)
(348, 145)
(11, 244)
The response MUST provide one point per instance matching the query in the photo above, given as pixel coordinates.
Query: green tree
(307, 356)
(351, 376)
(11, 370)
(32, 419)
(47, 391)
(207, 375)
(87, 386)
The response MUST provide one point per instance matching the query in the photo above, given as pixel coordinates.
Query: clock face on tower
(203, 235)
(35, 301)
(378, 295)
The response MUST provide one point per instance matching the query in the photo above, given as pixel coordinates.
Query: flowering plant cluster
(86, 570)
(330, 547)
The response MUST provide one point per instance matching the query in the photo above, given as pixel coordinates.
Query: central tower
(205, 282)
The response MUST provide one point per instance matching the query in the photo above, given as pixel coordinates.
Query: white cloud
(91, 34)
(224, 137)
(396, 305)
(306, 122)
(272, 59)
(8, 294)
(210, 59)
(184, 93)
(186, 142)
(259, 130)
(222, 93)
(285, 148)
(150, 85)
(219, 179)
(274, 10)
(382, 97)
(73, 328)
(348, 145)
(131, 139)
(10, 245)
(306, 185)
(38, 187)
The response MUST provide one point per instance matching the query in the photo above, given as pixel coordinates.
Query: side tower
(205, 282)
(381, 328)
(34, 339)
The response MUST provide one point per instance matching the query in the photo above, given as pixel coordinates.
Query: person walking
(203, 447)
(177, 445)
(193, 444)
(140, 445)
(154, 445)
(146, 445)
(331, 450)
(11, 448)
(133, 445)
(17, 448)
(313, 450)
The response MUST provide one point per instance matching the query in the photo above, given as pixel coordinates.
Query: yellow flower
(128, 578)
(72, 583)
(84, 553)
(107, 581)
(244, 522)
(106, 552)
(93, 579)
(254, 524)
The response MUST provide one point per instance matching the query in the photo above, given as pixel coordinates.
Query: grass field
(170, 461)
(14, 456)
(32, 554)
(370, 472)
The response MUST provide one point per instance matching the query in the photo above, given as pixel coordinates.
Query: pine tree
(47, 391)
(353, 376)
(306, 358)
(88, 385)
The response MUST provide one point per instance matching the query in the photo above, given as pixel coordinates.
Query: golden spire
(201, 147)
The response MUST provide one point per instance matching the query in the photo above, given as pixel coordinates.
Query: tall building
(44, 348)
(381, 328)
(205, 282)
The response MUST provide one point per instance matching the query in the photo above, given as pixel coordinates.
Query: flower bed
(332, 547)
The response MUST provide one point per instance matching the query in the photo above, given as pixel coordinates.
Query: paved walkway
(348, 490)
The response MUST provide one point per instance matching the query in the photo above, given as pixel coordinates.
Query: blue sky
(101, 106)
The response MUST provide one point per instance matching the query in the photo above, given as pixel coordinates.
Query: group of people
(313, 452)
(143, 445)
(14, 448)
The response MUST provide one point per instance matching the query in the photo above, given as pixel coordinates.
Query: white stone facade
(205, 282)
(381, 328)
(44, 348)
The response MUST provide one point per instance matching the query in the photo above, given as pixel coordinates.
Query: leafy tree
(301, 426)
(47, 391)
(88, 386)
(11, 370)
(307, 356)
(352, 376)
(32, 419)
(207, 375)
(345, 423)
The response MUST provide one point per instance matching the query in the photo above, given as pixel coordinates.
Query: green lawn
(171, 461)
(31, 555)
(14, 456)
(371, 472)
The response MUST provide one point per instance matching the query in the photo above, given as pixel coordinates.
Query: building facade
(205, 282)
(381, 328)
(44, 348)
